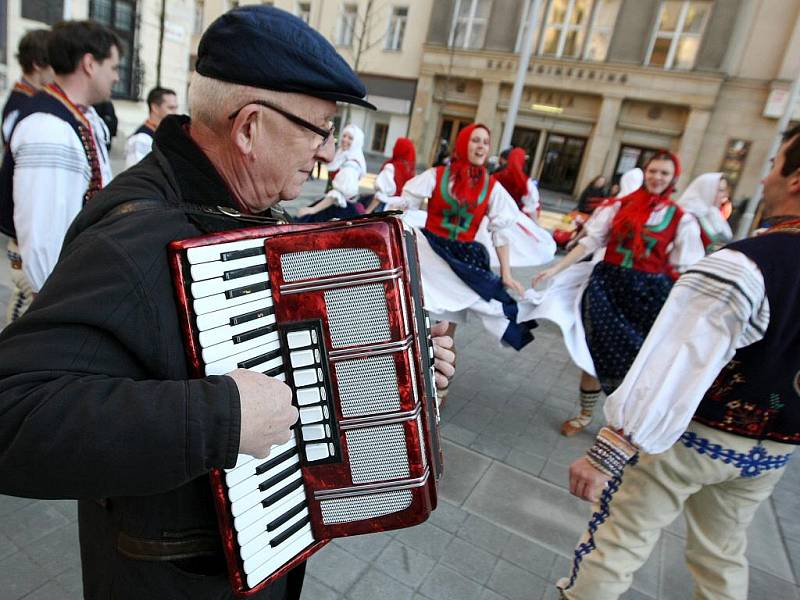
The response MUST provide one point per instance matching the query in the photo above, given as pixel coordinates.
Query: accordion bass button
(311, 414)
(317, 452)
(313, 432)
(308, 396)
(298, 339)
(304, 377)
(302, 358)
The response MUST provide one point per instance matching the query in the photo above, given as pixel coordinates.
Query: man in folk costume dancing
(713, 403)
(57, 159)
(648, 241)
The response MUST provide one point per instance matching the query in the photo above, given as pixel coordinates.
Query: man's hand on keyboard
(267, 412)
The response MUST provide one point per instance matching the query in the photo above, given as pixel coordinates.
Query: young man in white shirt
(161, 102)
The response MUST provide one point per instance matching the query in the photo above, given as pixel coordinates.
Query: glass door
(561, 162)
(528, 140)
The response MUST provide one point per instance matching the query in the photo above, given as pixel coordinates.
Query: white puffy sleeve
(384, 183)
(502, 214)
(598, 227)
(718, 306)
(415, 191)
(687, 248)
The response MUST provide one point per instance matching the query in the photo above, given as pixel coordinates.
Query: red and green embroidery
(457, 217)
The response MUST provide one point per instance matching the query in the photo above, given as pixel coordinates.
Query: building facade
(382, 40)
(138, 24)
(611, 81)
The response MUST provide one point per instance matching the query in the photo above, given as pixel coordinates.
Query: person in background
(339, 202)
(442, 154)
(36, 73)
(109, 116)
(58, 157)
(705, 198)
(592, 195)
(394, 173)
(517, 183)
(349, 154)
(160, 103)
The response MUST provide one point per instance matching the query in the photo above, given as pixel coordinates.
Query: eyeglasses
(325, 134)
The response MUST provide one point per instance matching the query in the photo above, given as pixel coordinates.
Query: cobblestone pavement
(505, 525)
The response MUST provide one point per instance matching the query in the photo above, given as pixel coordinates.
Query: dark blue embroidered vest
(144, 128)
(20, 95)
(757, 394)
(40, 103)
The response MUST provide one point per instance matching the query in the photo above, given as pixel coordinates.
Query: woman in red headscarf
(394, 173)
(648, 240)
(456, 272)
(518, 184)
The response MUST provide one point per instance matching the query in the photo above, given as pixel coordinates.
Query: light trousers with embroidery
(718, 502)
(21, 291)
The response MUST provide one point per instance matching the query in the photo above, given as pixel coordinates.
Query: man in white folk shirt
(160, 103)
(58, 158)
(713, 403)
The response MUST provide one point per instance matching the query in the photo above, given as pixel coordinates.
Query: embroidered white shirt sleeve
(137, 147)
(51, 175)
(502, 214)
(384, 184)
(687, 248)
(598, 227)
(716, 307)
(416, 190)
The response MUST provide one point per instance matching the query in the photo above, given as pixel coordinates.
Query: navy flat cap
(265, 47)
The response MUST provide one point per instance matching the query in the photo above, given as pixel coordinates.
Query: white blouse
(384, 184)
(717, 307)
(501, 215)
(685, 250)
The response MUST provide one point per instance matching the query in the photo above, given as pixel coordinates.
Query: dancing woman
(704, 198)
(517, 183)
(394, 173)
(648, 240)
(349, 153)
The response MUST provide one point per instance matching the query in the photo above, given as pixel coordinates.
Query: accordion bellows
(336, 311)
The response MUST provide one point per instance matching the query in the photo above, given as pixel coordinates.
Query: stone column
(420, 127)
(487, 111)
(691, 141)
(599, 144)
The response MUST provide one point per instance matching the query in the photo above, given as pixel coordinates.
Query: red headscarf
(404, 160)
(513, 176)
(636, 207)
(468, 179)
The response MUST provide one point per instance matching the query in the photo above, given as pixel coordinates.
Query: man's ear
(245, 129)
(793, 183)
(87, 64)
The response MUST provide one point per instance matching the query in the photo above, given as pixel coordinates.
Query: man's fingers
(442, 341)
(441, 381)
(442, 353)
(439, 328)
(444, 368)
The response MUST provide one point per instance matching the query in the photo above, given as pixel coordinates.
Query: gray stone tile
(533, 508)
(426, 538)
(31, 523)
(463, 469)
(375, 584)
(336, 567)
(456, 433)
(367, 547)
(314, 589)
(19, 576)
(530, 463)
(71, 581)
(764, 586)
(489, 446)
(676, 581)
(794, 557)
(68, 508)
(529, 555)
(490, 595)
(7, 547)
(469, 560)
(404, 563)
(445, 584)
(56, 552)
(448, 516)
(485, 534)
(647, 578)
(515, 583)
(475, 417)
(762, 550)
(51, 591)
(556, 473)
(634, 594)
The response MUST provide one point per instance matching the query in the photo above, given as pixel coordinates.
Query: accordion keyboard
(235, 319)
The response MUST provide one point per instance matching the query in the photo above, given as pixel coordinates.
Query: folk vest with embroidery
(146, 127)
(658, 239)
(757, 394)
(454, 220)
(51, 100)
(20, 94)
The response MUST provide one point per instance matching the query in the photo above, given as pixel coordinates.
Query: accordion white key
(336, 311)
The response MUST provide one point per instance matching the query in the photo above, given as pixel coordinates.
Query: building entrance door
(631, 157)
(528, 140)
(448, 131)
(561, 162)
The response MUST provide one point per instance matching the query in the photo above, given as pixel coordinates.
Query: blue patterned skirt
(470, 261)
(333, 212)
(618, 308)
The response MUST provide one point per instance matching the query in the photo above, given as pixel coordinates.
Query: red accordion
(335, 310)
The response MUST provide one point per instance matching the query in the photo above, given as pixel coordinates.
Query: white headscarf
(345, 187)
(353, 157)
(698, 199)
(630, 182)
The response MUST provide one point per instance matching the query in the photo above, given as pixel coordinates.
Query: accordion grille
(368, 386)
(377, 453)
(357, 315)
(312, 264)
(347, 510)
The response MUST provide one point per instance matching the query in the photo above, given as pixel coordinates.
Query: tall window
(120, 17)
(523, 26)
(46, 11)
(565, 28)
(304, 11)
(347, 25)
(603, 19)
(397, 28)
(677, 38)
(199, 7)
(470, 21)
(379, 135)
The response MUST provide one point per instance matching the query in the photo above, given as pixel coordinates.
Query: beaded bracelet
(611, 452)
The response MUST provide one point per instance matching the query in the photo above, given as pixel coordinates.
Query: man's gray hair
(212, 100)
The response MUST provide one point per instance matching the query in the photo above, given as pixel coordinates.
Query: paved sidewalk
(505, 525)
